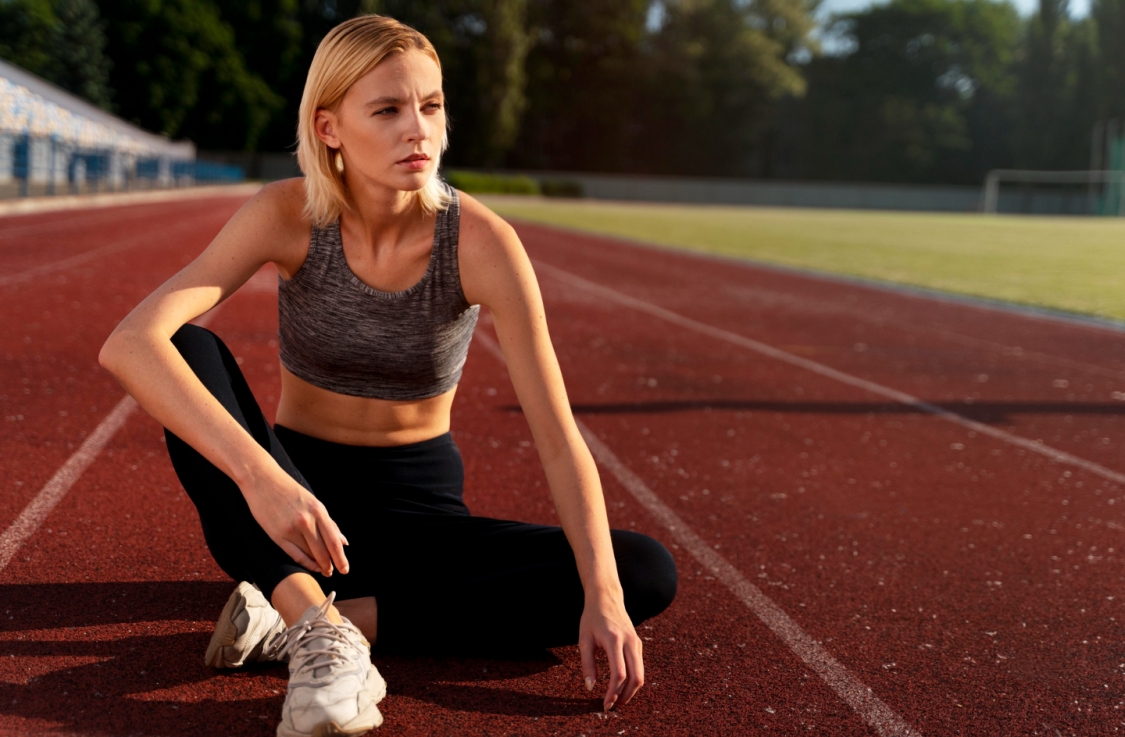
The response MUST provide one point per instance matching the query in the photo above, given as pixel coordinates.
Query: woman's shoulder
(276, 217)
(494, 266)
(285, 201)
(481, 230)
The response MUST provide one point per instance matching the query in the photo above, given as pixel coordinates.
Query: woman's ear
(324, 125)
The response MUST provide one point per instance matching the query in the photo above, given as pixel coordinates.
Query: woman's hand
(296, 521)
(605, 624)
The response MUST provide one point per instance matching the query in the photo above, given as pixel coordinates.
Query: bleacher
(53, 142)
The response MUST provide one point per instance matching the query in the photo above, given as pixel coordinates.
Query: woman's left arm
(496, 272)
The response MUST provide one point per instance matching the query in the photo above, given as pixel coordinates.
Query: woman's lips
(415, 163)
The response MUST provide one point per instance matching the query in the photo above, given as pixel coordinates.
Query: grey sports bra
(338, 333)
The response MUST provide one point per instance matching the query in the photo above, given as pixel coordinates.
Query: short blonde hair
(349, 51)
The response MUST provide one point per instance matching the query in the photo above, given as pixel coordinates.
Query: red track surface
(975, 587)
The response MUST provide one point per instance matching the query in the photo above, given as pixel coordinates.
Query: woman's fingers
(333, 540)
(589, 668)
(317, 548)
(298, 555)
(635, 667)
(617, 670)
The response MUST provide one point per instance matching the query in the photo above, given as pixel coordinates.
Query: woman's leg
(484, 585)
(237, 542)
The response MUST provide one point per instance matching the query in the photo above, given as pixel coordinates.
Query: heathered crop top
(338, 333)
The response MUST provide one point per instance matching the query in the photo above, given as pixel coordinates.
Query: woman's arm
(496, 272)
(140, 354)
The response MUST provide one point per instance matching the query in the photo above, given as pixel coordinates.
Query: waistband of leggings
(440, 443)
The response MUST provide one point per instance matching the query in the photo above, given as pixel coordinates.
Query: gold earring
(339, 162)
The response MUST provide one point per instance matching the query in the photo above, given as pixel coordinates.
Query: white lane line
(156, 236)
(831, 373)
(869, 707)
(97, 217)
(56, 488)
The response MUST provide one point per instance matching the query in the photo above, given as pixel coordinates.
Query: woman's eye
(434, 106)
(386, 110)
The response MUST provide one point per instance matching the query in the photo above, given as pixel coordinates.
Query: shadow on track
(453, 686)
(114, 658)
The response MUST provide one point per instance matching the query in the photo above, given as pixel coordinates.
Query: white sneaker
(333, 687)
(245, 629)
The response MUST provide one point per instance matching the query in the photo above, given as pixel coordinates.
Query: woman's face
(390, 123)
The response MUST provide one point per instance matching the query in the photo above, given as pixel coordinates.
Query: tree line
(911, 90)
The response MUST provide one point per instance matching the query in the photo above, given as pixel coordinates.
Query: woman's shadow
(122, 658)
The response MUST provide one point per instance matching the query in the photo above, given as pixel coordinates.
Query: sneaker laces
(335, 641)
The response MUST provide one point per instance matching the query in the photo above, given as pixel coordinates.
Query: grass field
(1065, 263)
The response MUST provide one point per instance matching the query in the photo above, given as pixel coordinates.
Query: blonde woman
(382, 269)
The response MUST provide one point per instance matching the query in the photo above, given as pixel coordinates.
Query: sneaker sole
(226, 631)
(332, 729)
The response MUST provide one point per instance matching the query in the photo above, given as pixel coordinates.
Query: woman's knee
(197, 344)
(647, 572)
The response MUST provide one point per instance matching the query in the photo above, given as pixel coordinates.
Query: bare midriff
(341, 418)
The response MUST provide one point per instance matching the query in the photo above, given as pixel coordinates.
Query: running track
(891, 514)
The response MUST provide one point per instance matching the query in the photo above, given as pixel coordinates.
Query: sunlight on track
(54, 490)
(94, 218)
(855, 694)
(831, 373)
(66, 263)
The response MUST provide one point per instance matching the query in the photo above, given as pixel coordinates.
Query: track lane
(30, 253)
(853, 536)
(53, 392)
(960, 472)
(1036, 401)
(810, 651)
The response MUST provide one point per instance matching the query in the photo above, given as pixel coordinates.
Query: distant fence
(49, 165)
(264, 165)
(768, 193)
(840, 195)
(1032, 200)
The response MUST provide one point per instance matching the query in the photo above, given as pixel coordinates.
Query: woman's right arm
(140, 354)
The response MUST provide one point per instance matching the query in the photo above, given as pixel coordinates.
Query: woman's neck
(381, 216)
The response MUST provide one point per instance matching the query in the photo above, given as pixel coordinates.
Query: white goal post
(1026, 176)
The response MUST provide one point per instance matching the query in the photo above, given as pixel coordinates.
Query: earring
(339, 162)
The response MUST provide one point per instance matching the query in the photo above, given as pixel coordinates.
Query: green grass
(478, 182)
(1065, 263)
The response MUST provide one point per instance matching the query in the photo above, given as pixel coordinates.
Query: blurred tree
(26, 30)
(269, 35)
(63, 42)
(177, 70)
(718, 66)
(502, 75)
(923, 96)
(1052, 127)
(1108, 37)
(586, 72)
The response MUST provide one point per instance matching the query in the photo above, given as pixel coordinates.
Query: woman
(382, 269)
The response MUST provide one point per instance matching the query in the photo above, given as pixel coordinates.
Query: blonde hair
(349, 51)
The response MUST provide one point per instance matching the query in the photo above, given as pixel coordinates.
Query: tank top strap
(446, 231)
(447, 226)
(317, 260)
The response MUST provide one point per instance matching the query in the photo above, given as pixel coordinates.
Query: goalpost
(1104, 192)
(1104, 181)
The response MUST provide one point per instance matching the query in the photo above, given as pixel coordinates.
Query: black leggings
(443, 580)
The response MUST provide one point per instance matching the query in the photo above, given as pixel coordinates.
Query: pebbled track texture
(975, 587)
